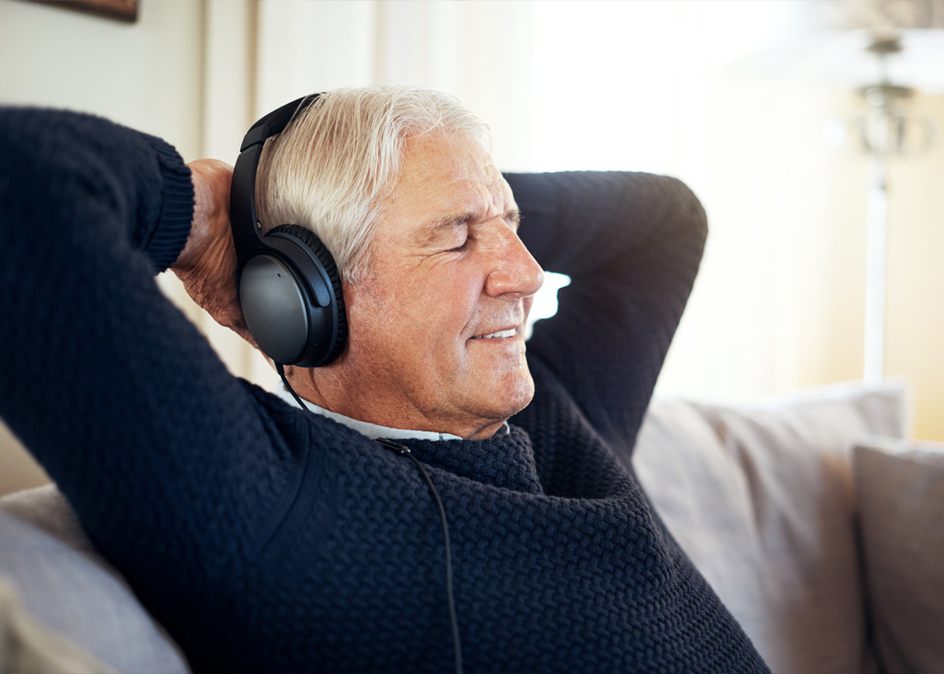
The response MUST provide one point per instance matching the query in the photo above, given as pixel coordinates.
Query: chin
(517, 395)
(510, 402)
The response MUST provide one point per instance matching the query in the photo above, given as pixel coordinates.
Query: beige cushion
(901, 495)
(68, 588)
(26, 646)
(760, 497)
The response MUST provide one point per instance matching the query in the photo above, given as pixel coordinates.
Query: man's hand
(207, 264)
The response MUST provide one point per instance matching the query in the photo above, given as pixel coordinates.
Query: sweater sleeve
(631, 244)
(109, 386)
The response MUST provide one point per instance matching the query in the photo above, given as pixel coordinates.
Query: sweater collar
(505, 461)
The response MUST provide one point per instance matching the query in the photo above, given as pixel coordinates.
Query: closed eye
(461, 247)
(461, 229)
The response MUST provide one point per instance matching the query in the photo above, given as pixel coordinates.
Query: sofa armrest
(66, 586)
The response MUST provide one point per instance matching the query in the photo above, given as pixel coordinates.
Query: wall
(147, 75)
(915, 310)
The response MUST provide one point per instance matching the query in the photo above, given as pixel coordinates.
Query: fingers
(207, 265)
(210, 228)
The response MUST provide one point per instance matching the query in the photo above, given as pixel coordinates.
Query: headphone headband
(242, 198)
(275, 122)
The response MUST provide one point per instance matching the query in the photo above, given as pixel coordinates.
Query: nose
(514, 270)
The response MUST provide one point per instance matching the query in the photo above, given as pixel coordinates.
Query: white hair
(333, 165)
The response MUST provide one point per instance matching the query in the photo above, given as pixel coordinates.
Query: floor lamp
(883, 133)
(889, 50)
(904, 50)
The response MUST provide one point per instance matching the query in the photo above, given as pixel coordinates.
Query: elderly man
(267, 537)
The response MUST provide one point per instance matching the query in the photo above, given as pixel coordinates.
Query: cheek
(369, 321)
(446, 299)
(421, 316)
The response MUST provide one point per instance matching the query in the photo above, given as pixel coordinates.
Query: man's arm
(631, 243)
(104, 380)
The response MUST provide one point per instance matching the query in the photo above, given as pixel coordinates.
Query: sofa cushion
(901, 494)
(26, 646)
(67, 587)
(760, 497)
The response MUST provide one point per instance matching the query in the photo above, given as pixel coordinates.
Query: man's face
(437, 328)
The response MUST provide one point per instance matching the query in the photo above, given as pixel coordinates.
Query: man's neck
(373, 431)
(327, 394)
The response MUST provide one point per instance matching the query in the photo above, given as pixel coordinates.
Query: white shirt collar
(373, 431)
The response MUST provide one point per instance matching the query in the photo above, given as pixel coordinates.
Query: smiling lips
(501, 334)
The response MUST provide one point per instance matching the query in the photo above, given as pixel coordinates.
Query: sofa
(812, 517)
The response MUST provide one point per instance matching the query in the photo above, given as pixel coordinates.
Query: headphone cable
(281, 371)
(450, 597)
(402, 450)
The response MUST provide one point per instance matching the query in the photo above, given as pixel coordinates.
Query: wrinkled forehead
(452, 168)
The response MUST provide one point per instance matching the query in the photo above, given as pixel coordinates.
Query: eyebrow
(515, 215)
(453, 220)
(458, 219)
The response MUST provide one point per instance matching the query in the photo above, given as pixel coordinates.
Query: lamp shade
(830, 40)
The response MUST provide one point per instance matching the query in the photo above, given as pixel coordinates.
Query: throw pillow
(901, 499)
(760, 498)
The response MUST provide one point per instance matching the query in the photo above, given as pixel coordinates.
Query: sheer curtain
(667, 88)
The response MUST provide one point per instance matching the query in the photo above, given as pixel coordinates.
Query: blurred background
(755, 104)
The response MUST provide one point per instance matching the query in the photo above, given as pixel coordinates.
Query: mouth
(501, 334)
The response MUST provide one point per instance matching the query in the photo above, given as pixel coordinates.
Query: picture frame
(119, 10)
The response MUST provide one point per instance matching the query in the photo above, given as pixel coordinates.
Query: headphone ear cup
(310, 239)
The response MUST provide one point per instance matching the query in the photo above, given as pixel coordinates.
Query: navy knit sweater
(268, 538)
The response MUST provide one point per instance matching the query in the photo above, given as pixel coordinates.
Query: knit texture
(267, 538)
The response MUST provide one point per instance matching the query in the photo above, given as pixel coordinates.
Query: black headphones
(288, 284)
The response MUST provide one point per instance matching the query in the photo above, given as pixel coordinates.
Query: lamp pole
(883, 133)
